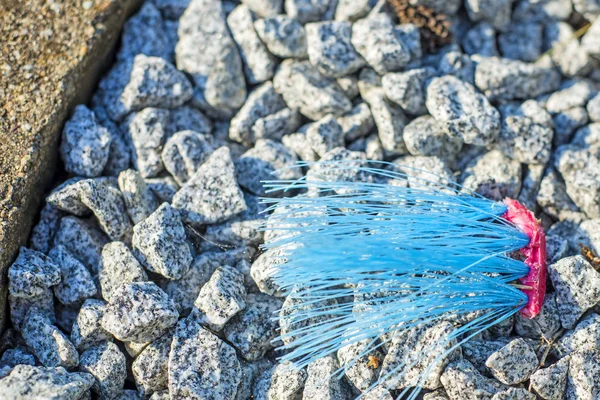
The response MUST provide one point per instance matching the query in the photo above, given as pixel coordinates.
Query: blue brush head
(369, 254)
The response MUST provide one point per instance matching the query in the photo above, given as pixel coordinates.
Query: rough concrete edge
(15, 230)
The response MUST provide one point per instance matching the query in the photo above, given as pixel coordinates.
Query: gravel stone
(201, 366)
(294, 304)
(554, 200)
(259, 64)
(209, 55)
(593, 108)
(330, 49)
(183, 154)
(29, 382)
(407, 89)
(583, 382)
(349, 85)
(481, 39)
(119, 157)
(523, 140)
(424, 136)
(107, 364)
(76, 282)
(150, 366)
(542, 10)
(321, 382)
(306, 10)
(222, 297)
(376, 39)
(531, 184)
(282, 382)
(253, 330)
(262, 102)
(47, 342)
(284, 36)
(463, 112)
(87, 330)
(164, 188)
(147, 132)
(276, 125)
(139, 312)
(85, 144)
(83, 240)
(478, 351)
(250, 374)
(407, 348)
(590, 9)
(139, 199)
(32, 273)
(580, 169)
(495, 12)
(43, 233)
(298, 143)
(17, 356)
(265, 8)
(118, 266)
(493, 175)
(19, 306)
(544, 325)
(268, 160)
(521, 41)
(325, 135)
(568, 55)
(185, 291)
(212, 194)
(583, 337)
(551, 382)
(577, 286)
(144, 33)
(462, 381)
(304, 88)
(589, 42)
(359, 371)
(457, 64)
(503, 79)
(352, 10)
(357, 123)
(187, 118)
(261, 269)
(514, 394)
(514, 363)
(572, 93)
(567, 122)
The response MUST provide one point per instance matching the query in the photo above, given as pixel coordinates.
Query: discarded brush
(367, 254)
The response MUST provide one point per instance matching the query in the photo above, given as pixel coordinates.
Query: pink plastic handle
(535, 253)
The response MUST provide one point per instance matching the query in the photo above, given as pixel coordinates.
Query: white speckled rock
(360, 371)
(424, 136)
(322, 384)
(183, 154)
(76, 282)
(493, 175)
(139, 312)
(107, 364)
(32, 273)
(462, 381)
(584, 375)
(551, 382)
(27, 382)
(264, 8)
(407, 89)
(160, 243)
(282, 382)
(201, 366)
(307, 10)
(514, 363)
(118, 266)
(284, 36)
(150, 366)
(87, 330)
(139, 199)
(496, 12)
(144, 33)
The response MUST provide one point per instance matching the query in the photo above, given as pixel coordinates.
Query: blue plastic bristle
(391, 257)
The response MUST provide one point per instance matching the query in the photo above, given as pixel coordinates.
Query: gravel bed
(144, 279)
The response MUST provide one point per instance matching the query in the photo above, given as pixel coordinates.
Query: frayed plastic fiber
(370, 254)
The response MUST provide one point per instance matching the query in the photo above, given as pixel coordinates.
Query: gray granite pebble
(47, 342)
(28, 382)
(76, 282)
(551, 382)
(85, 144)
(544, 325)
(282, 382)
(462, 381)
(185, 291)
(284, 36)
(356, 123)
(580, 169)
(493, 175)
(139, 199)
(521, 41)
(587, 136)
(118, 266)
(359, 369)
(306, 10)
(567, 122)
(304, 88)
(87, 330)
(321, 383)
(288, 321)
(17, 356)
(572, 93)
(589, 42)
(514, 394)
(276, 125)
(330, 50)
(183, 154)
(265, 8)
(502, 79)
(201, 365)
(150, 366)
(43, 232)
(481, 39)
(107, 364)
(457, 64)
(83, 240)
(187, 118)
(253, 330)
(259, 64)
(477, 351)
(32, 273)
(325, 135)
(262, 102)
(577, 285)
(160, 243)
(207, 52)
(583, 382)
(349, 85)
(139, 312)
(222, 297)
(19, 306)
(495, 12)
(424, 136)
(462, 111)
(164, 188)
(542, 11)
(568, 54)
(376, 39)
(352, 10)
(144, 33)
(298, 143)
(212, 194)
(523, 140)
(260, 271)
(554, 200)
(119, 157)
(407, 89)
(514, 363)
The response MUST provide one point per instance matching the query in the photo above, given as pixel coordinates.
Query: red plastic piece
(535, 253)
